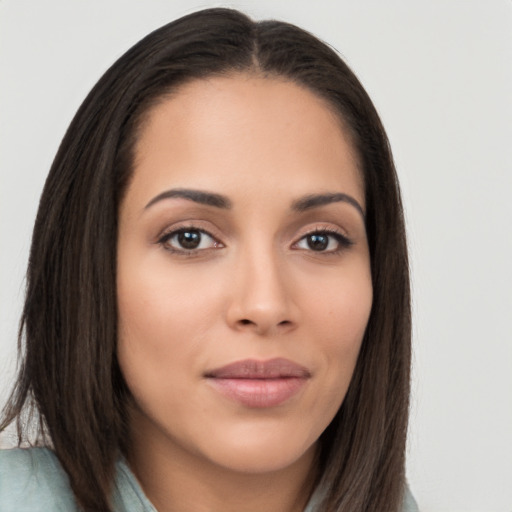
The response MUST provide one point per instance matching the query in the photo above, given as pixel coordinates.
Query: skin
(253, 289)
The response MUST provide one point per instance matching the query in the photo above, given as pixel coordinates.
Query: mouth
(259, 384)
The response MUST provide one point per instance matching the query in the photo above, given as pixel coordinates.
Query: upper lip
(255, 369)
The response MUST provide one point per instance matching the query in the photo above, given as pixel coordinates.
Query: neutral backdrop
(440, 74)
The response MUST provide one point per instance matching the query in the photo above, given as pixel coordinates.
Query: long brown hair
(69, 376)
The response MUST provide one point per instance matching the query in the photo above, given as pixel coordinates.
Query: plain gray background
(440, 74)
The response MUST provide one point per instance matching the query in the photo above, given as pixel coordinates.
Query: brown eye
(324, 241)
(188, 240)
(317, 242)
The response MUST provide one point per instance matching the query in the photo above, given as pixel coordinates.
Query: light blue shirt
(32, 480)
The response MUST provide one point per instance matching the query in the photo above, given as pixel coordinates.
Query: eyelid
(172, 226)
(344, 242)
(167, 234)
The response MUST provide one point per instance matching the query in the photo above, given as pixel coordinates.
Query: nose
(262, 295)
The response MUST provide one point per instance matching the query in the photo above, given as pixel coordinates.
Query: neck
(175, 480)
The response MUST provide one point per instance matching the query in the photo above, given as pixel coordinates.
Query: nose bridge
(261, 296)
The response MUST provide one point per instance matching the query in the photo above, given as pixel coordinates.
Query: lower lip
(259, 393)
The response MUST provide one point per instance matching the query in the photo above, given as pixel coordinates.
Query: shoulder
(315, 503)
(32, 479)
(409, 503)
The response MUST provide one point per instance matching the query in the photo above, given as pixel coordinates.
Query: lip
(259, 384)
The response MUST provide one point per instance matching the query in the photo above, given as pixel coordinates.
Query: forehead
(210, 133)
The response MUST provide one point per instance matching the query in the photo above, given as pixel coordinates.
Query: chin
(263, 451)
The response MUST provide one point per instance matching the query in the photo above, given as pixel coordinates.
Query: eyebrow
(316, 200)
(219, 201)
(198, 196)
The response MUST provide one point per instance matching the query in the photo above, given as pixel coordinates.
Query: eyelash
(167, 237)
(343, 241)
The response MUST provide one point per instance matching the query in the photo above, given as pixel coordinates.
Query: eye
(188, 240)
(323, 241)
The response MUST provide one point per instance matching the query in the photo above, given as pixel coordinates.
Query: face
(244, 284)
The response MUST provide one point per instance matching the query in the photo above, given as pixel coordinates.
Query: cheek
(166, 317)
(155, 349)
(157, 305)
(155, 325)
(339, 316)
(340, 307)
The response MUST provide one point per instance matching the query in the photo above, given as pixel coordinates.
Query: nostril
(263, 325)
(245, 321)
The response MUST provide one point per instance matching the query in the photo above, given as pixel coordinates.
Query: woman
(217, 313)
